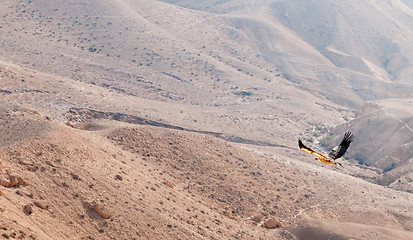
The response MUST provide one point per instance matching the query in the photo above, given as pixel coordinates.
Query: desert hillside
(179, 119)
(111, 180)
(385, 141)
(332, 46)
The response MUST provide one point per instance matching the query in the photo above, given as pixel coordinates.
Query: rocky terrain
(180, 119)
(113, 180)
(388, 150)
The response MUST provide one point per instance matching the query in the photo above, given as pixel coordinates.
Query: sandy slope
(387, 123)
(168, 184)
(249, 70)
(204, 73)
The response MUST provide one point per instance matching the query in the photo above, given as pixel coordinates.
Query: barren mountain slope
(70, 171)
(54, 97)
(243, 74)
(161, 183)
(379, 47)
(372, 42)
(138, 48)
(204, 72)
(366, 37)
(276, 120)
(384, 140)
(166, 52)
(369, 42)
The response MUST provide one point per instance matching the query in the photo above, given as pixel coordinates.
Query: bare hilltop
(179, 119)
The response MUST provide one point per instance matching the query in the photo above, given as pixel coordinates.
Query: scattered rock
(272, 223)
(101, 211)
(256, 219)
(5, 182)
(68, 123)
(18, 192)
(28, 209)
(119, 177)
(13, 181)
(75, 176)
(21, 181)
(230, 214)
(41, 204)
(168, 184)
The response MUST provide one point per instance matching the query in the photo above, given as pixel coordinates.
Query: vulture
(334, 154)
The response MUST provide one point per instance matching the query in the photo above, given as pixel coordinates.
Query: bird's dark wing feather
(339, 151)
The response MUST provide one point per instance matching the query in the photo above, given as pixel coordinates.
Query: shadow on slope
(82, 114)
(307, 232)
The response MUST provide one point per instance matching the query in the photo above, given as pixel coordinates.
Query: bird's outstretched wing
(319, 156)
(339, 151)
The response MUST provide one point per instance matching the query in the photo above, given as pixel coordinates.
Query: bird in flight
(334, 154)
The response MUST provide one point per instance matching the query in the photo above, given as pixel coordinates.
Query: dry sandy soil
(150, 120)
(154, 182)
